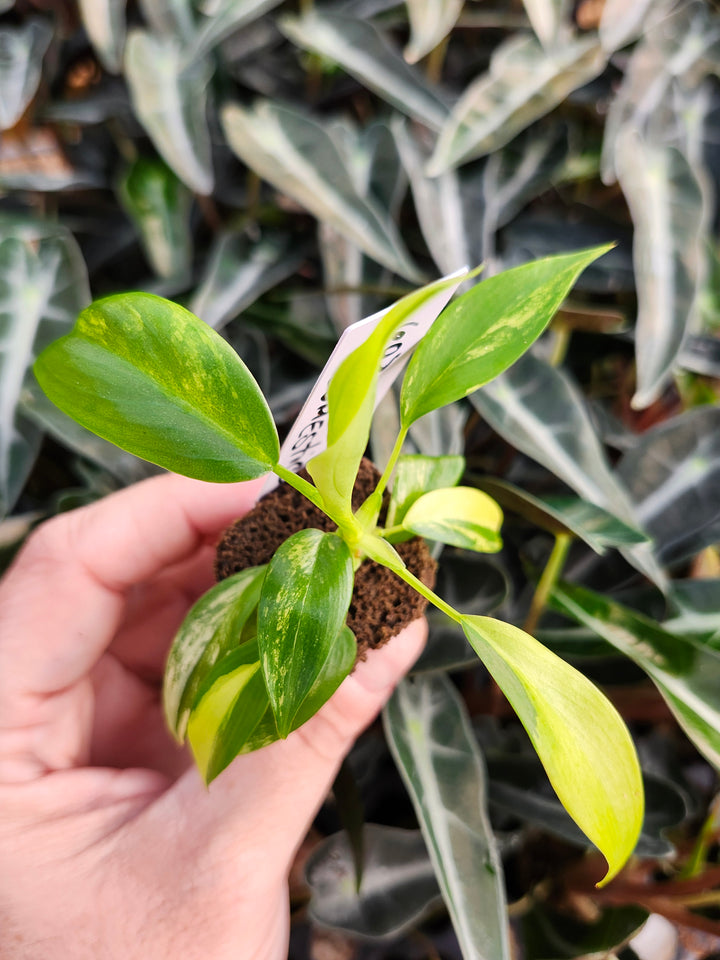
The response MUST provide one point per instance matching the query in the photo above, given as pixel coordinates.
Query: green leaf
(359, 47)
(518, 785)
(517, 174)
(223, 18)
(338, 664)
(23, 49)
(416, 475)
(686, 673)
(486, 329)
(152, 378)
(340, 661)
(159, 205)
(398, 888)
(558, 935)
(227, 711)
(667, 207)
(599, 528)
(580, 738)
(524, 82)
(622, 22)
(36, 407)
(550, 20)
(460, 516)
(449, 208)
(169, 96)
(672, 474)
(541, 411)
(303, 604)
(104, 22)
(434, 747)
(211, 629)
(351, 401)
(430, 23)
(300, 157)
(170, 17)
(43, 283)
(239, 271)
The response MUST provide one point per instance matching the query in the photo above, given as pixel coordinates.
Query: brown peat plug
(382, 604)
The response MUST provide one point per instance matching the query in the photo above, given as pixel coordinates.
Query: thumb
(266, 800)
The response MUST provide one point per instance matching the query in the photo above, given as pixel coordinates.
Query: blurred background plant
(284, 169)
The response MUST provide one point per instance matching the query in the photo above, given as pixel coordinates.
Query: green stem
(426, 592)
(396, 451)
(302, 486)
(550, 576)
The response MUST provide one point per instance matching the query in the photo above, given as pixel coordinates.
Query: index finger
(63, 598)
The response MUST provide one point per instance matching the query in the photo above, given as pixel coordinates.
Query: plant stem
(550, 576)
(396, 451)
(302, 486)
(429, 594)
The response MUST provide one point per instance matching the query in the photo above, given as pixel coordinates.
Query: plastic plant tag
(308, 435)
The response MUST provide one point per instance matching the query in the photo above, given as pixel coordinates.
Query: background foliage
(284, 169)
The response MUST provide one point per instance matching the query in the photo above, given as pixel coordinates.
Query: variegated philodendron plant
(263, 650)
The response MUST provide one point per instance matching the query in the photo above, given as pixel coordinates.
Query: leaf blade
(571, 725)
(152, 378)
(459, 516)
(462, 352)
(436, 752)
(303, 604)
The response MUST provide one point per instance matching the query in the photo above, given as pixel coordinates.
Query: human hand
(110, 845)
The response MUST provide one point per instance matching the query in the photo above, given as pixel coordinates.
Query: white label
(308, 435)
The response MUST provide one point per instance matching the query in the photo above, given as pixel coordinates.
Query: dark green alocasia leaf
(159, 205)
(211, 629)
(486, 330)
(223, 18)
(173, 17)
(415, 475)
(553, 936)
(518, 785)
(599, 528)
(359, 47)
(430, 23)
(579, 736)
(301, 157)
(104, 22)
(238, 271)
(398, 887)
(549, 19)
(437, 754)
(666, 203)
(149, 376)
(169, 96)
(686, 672)
(459, 516)
(126, 468)
(229, 708)
(449, 207)
(351, 400)
(672, 473)
(43, 284)
(303, 604)
(21, 54)
(524, 82)
(540, 410)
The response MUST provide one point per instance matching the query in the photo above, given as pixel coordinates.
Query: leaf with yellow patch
(149, 376)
